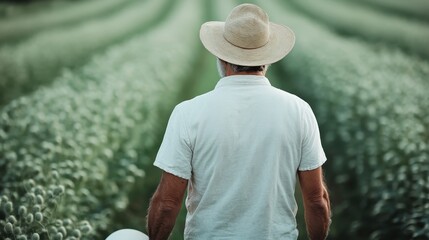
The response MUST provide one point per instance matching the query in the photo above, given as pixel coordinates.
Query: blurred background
(87, 86)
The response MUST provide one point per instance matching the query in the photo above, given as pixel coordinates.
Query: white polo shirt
(240, 146)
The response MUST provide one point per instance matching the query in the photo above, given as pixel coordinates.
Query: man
(239, 149)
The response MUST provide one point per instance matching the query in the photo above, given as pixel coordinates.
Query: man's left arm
(165, 206)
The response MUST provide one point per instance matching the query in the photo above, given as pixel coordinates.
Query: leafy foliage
(15, 28)
(37, 61)
(350, 18)
(414, 9)
(69, 153)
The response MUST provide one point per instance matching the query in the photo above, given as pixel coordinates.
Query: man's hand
(165, 206)
(316, 203)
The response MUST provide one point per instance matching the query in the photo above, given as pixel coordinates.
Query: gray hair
(220, 68)
(238, 68)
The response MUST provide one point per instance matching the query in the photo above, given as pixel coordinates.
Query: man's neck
(229, 71)
(245, 73)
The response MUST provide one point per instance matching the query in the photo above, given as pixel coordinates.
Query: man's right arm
(316, 203)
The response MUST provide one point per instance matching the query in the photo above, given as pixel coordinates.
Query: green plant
(70, 153)
(350, 18)
(37, 61)
(15, 28)
(414, 9)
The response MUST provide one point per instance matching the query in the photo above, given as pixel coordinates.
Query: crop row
(70, 153)
(350, 18)
(372, 107)
(14, 28)
(40, 59)
(11, 10)
(416, 9)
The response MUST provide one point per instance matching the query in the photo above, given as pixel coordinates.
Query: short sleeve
(175, 153)
(312, 154)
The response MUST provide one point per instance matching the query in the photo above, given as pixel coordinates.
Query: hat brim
(280, 43)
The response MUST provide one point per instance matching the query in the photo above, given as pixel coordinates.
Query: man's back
(239, 148)
(245, 140)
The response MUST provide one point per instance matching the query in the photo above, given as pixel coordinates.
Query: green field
(86, 89)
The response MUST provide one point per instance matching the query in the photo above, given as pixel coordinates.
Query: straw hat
(247, 37)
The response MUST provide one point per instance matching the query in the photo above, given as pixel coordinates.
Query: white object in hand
(127, 234)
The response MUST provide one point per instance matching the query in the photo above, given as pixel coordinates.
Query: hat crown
(247, 26)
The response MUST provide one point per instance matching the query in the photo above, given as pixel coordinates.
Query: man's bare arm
(316, 203)
(165, 206)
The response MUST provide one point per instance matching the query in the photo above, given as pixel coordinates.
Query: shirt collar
(243, 80)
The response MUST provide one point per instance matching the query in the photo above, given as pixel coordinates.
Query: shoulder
(194, 103)
(290, 98)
